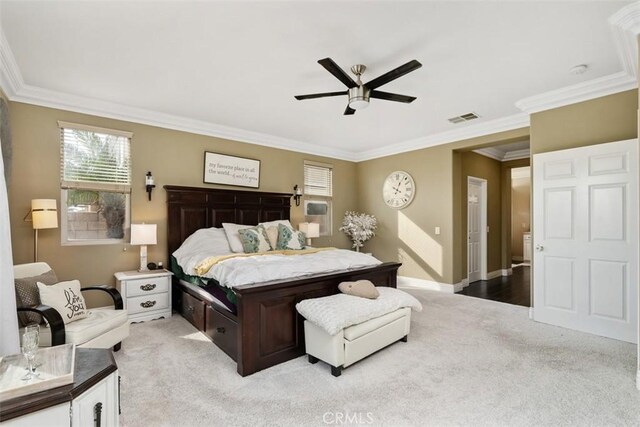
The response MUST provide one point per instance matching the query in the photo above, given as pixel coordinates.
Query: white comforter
(263, 268)
(336, 312)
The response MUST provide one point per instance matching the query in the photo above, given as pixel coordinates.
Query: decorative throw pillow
(27, 295)
(254, 239)
(65, 298)
(272, 235)
(288, 238)
(233, 236)
(359, 288)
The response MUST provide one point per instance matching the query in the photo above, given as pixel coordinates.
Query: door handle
(539, 248)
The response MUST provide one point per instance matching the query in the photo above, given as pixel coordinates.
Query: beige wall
(174, 158)
(479, 166)
(408, 235)
(607, 119)
(520, 213)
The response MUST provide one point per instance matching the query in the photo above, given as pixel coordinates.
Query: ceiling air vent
(463, 118)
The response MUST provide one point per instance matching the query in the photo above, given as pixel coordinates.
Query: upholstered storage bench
(356, 342)
(342, 329)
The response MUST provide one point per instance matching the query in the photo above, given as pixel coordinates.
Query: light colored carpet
(468, 362)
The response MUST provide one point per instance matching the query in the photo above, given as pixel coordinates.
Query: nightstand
(146, 295)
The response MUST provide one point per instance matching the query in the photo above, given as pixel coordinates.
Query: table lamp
(310, 229)
(44, 214)
(143, 235)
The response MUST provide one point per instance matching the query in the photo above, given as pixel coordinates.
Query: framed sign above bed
(231, 170)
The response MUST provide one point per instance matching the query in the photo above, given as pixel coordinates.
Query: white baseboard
(507, 271)
(531, 313)
(432, 285)
(493, 274)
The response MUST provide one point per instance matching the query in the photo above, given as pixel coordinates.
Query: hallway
(514, 289)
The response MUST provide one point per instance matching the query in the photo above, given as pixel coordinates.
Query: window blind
(318, 180)
(94, 159)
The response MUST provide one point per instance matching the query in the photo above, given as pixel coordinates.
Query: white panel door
(474, 230)
(585, 238)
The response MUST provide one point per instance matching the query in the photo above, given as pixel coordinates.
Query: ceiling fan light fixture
(359, 97)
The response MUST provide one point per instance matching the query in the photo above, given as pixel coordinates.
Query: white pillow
(234, 237)
(65, 298)
(202, 244)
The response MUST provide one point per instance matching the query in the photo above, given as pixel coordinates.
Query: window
(318, 190)
(95, 182)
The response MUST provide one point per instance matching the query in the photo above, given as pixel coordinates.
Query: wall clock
(398, 189)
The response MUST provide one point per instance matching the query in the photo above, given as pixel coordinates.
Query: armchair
(105, 327)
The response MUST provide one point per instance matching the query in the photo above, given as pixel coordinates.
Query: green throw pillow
(288, 238)
(254, 240)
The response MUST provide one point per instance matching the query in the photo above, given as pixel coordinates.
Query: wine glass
(32, 326)
(29, 349)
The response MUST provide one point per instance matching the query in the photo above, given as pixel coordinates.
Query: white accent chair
(105, 327)
(356, 342)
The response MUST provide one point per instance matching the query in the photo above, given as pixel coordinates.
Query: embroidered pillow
(27, 295)
(254, 240)
(65, 298)
(288, 238)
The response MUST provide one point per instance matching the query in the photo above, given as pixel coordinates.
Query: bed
(266, 329)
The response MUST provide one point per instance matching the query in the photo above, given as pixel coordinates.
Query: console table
(93, 399)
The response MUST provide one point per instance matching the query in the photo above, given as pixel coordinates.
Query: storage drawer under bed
(223, 331)
(192, 309)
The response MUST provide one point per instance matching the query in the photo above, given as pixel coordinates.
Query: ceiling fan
(359, 93)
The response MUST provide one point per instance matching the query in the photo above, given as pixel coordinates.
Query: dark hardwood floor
(514, 289)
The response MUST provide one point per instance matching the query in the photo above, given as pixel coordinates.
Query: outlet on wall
(437, 231)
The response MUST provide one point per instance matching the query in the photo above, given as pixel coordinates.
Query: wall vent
(463, 118)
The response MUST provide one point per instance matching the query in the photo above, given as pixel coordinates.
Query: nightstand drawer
(148, 303)
(152, 285)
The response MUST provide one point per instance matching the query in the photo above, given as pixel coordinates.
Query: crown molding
(490, 152)
(10, 76)
(517, 155)
(499, 155)
(584, 91)
(81, 104)
(503, 124)
(625, 25)
(16, 90)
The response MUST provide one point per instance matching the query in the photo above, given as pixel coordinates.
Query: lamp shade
(143, 234)
(44, 213)
(310, 229)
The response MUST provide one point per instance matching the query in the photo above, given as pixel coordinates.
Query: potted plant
(359, 227)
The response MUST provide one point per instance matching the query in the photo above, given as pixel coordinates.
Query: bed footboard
(270, 330)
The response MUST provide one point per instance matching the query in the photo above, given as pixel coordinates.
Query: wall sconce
(149, 183)
(44, 214)
(297, 194)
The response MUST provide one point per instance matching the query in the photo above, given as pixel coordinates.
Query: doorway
(476, 229)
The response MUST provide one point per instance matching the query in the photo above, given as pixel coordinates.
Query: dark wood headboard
(193, 208)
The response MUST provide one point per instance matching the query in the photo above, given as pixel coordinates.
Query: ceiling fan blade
(391, 96)
(349, 111)
(338, 72)
(394, 74)
(320, 95)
